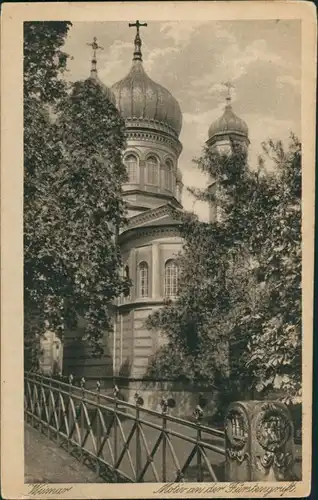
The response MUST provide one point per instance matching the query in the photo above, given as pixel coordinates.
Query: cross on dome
(144, 103)
(138, 42)
(137, 24)
(95, 47)
(229, 123)
(229, 85)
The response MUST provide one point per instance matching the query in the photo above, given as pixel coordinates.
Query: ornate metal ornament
(273, 428)
(280, 460)
(138, 399)
(238, 455)
(198, 413)
(236, 429)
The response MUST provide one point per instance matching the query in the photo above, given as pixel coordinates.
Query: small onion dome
(179, 176)
(143, 102)
(107, 91)
(94, 76)
(228, 123)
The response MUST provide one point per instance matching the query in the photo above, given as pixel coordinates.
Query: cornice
(170, 198)
(147, 123)
(140, 132)
(152, 214)
(228, 134)
(142, 231)
(137, 303)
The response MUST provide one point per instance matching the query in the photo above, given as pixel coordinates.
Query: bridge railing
(124, 442)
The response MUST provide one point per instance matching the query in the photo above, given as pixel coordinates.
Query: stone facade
(151, 240)
(51, 360)
(151, 247)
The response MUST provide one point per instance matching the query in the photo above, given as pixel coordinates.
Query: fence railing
(124, 442)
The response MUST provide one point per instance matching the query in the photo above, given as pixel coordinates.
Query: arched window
(131, 163)
(171, 279)
(152, 171)
(143, 279)
(178, 192)
(168, 175)
(126, 272)
(127, 276)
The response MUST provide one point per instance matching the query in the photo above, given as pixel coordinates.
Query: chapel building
(151, 241)
(153, 193)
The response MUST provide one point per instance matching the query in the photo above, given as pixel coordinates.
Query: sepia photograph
(163, 253)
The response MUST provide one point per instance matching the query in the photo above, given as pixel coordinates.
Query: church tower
(153, 193)
(227, 131)
(153, 123)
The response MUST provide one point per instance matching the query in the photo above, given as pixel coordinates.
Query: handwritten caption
(232, 488)
(44, 489)
(173, 488)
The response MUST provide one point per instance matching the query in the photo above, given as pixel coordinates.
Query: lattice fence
(123, 442)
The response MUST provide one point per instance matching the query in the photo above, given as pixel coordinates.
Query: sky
(262, 58)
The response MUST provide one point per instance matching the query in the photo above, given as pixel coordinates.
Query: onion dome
(94, 76)
(228, 123)
(143, 102)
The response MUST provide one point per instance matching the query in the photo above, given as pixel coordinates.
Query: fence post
(60, 405)
(41, 405)
(82, 420)
(98, 427)
(198, 413)
(164, 409)
(58, 411)
(115, 392)
(50, 408)
(138, 446)
(32, 403)
(259, 442)
(69, 409)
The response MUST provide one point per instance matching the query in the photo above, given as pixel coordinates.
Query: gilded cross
(137, 25)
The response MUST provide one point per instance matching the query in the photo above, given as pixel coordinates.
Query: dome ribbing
(228, 123)
(143, 102)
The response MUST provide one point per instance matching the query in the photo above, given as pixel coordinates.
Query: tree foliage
(275, 347)
(73, 142)
(237, 320)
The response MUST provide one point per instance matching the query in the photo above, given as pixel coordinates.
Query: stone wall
(186, 397)
(78, 359)
(51, 359)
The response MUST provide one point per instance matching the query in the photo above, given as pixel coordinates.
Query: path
(45, 462)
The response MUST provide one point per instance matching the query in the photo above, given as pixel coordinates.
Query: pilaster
(155, 271)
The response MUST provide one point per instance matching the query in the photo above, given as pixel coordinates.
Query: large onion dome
(143, 102)
(229, 123)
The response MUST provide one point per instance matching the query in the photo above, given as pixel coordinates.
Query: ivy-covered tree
(74, 138)
(239, 280)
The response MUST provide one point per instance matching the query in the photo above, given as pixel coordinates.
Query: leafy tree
(90, 208)
(73, 204)
(44, 60)
(44, 64)
(236, 322)
(275, 348)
